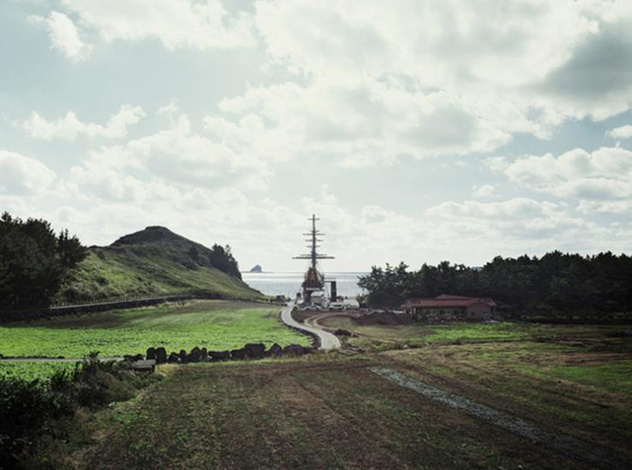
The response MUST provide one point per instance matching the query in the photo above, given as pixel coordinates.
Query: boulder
(341, 332)
(275, 350)
(255, 350)
(295, 350)
(219, 355)
(194, 355)
(173, 358)
(161, 355)
(151, 353)
(238, 353)
(183, 355)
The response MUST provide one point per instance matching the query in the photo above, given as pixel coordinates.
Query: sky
(416, 130)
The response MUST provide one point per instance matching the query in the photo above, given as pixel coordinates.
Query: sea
(289, 283)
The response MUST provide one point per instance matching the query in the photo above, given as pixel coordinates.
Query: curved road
(327, 340)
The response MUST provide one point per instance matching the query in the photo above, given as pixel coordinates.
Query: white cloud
(177, 23)
(64, 36)
(175, 157)
(601, 180)
(23, 175)
(483, 191)
(70, 127)
(358, 124)
(623, 132)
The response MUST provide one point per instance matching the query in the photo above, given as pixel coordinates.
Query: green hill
(155, 261)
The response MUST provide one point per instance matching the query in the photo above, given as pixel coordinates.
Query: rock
(219, 355)
(275, 350)
(173, 357)
(151, 353)
(128, 358)
(161, 355)
(183, 355)
(295, 350)
(255, 350)
(194, 355)
(341, 332)
(139, 357)
(238, 353)
(256, 269)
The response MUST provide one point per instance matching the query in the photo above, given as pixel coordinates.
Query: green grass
(614, 377)
(33, 370)
(477, 332)
(216, 325)
(146, 271)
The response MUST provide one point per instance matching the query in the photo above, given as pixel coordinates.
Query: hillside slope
(155, 261)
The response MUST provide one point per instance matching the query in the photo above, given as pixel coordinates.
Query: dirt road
(326, 340)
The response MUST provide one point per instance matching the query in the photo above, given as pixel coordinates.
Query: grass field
(146, 271)
(216, 325)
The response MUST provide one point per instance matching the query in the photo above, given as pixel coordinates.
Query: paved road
(327, 340)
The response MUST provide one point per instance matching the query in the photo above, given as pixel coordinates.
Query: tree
(34, 261)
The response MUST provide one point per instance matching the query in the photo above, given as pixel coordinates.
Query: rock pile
(249, 351)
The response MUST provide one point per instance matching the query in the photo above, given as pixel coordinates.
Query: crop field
(316, 414)
(33, 370)
(216, 325)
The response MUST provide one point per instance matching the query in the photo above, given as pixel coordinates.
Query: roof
(449, 301)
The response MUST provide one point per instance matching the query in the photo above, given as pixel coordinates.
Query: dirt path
(326, 340)
(571, 447)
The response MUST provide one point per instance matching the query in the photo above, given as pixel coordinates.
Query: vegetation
(318, 414)
(32, 411)
(217, 325)
(554, 283)
(34, 262)
(146, 271)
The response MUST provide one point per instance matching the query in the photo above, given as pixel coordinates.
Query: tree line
(556, 282)
(34, 261)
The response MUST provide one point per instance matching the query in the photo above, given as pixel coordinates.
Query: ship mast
(313, 255)
(314, 280)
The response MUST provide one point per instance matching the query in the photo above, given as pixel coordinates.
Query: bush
(25, 406)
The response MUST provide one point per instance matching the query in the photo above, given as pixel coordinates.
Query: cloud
(623, 132)
(483, 191)
(175, 157)
(64, 36)
(361, 124)
(21, 175)
(597, 78)
(601, 180)
(70, 127)
(176, 23)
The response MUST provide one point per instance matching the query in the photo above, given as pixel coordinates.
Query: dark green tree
(34, 261)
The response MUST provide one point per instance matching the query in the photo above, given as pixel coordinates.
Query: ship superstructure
(314, 282)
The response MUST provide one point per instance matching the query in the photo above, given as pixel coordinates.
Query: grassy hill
(155, 261)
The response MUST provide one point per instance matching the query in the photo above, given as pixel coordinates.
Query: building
(446, 308)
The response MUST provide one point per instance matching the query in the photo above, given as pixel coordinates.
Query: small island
(256, 269)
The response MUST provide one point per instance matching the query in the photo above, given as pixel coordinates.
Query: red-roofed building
(450, 308)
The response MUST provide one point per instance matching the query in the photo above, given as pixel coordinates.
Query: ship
(313, 288)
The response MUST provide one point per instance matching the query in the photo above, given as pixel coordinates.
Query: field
(216, 325)
(569, 386)
(332, 410)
